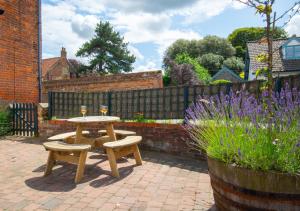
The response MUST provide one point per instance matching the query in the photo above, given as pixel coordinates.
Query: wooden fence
(163, 103)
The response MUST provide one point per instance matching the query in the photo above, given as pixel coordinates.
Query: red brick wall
(169, 138)
(19, 50)
(118, 82)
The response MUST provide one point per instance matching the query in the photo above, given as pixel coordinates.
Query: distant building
(286, 57)
(59, 68)
(20, 51)
(226, 74)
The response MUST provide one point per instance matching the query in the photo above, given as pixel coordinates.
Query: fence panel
(162, 103)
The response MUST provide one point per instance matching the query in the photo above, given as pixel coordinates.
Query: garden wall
(169, 138)
(116, 82)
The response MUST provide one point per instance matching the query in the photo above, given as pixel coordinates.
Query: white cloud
(150, 28)
(148, 65)
(62, 26)
(135, 52)
(293, 26)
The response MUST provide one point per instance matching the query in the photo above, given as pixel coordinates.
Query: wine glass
(83, 110)
(103, 110)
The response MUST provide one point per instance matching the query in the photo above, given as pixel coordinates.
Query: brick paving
(163, 182)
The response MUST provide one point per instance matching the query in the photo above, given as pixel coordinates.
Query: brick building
(19, 50)
(59, 68)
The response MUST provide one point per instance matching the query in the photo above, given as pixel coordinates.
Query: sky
(149, 26)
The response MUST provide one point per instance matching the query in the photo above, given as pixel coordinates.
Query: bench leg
(112, 162)
(137, 155)
(80, 167)
(50, 163)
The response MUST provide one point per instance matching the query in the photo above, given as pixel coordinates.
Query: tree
(107, 50)
(239, 37)
(209, 51)
(212, 62)
(182, 74)
(200, 71)
(235, 63)
(216, 45)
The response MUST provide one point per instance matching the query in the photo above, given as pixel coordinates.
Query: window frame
(293, 56)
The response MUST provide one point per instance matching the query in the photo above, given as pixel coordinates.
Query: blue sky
(149, 26)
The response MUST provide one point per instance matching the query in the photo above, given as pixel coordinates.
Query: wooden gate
(25, 119)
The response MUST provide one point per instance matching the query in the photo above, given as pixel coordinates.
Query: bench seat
(128, 141)
(64, 147)
(119, 132)
(64, 136)
(121, 148)
(71, 153)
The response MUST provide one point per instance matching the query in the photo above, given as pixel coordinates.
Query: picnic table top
(89, 119)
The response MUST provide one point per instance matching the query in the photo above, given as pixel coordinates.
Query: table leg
(110, 132)
(78, 134)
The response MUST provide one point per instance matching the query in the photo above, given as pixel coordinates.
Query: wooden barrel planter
(237, 188)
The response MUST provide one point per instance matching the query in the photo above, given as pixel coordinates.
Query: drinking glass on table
(103, 110)
(83, 110)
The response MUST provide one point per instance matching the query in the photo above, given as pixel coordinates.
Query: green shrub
(5, 123)
(201, 72)
(221, 81)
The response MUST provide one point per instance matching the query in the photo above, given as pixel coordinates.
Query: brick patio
(163, 182)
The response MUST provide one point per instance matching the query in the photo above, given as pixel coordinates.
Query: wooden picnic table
(81, 121)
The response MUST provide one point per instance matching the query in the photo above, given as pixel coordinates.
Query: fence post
(36, 121)
(50, 105)
(228, 88)
(185, 98)
(278, 85)
(109, 102)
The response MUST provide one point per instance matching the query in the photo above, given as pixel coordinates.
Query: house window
(292, 52)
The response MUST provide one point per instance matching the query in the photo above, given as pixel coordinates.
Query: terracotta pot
(237, 188)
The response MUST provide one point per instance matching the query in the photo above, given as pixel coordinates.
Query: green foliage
(5, 123)
(166, 79)
(201, 72)
(216, 45)
(239, 37)
(107, 50)
(211, 61)
(235, 63)
(249, 147)
(197, 48)
(139, 117)
(221, 81)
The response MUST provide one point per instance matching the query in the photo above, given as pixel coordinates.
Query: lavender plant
(234, 128)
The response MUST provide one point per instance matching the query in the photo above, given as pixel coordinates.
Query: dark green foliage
(235, 63)
(211, 61)
(166, 79)
(241, 36)
(107, 50)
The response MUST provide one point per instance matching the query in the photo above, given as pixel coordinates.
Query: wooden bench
(124, 147)
(119, 133)
(68, 137)
(105, 138)
(70, 153)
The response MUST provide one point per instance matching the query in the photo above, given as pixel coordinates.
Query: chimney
(63, 53)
